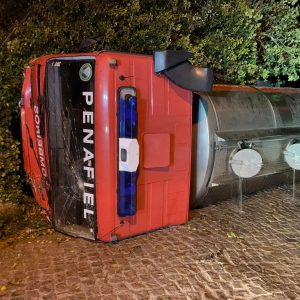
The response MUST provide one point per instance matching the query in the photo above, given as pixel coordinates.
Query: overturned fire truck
(117, 144)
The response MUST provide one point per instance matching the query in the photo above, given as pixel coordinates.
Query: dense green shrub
(9, 168)
(279, 40)
(242, 40)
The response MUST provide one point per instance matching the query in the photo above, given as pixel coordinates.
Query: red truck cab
(107, 140)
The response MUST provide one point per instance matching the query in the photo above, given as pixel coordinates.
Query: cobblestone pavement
(220, 254)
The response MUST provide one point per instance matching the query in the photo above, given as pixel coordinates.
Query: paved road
(220, 254)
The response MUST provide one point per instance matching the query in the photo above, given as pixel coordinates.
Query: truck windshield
(70, 132)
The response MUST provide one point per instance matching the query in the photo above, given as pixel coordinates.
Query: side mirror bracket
(175, 66)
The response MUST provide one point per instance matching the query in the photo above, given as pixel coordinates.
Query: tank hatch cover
(292, 156)
(246, 163)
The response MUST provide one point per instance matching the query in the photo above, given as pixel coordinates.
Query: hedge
(241, 40)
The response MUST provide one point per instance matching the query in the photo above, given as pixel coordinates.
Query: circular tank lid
(292, 156)
(246, 163)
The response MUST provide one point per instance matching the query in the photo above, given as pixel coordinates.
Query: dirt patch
(17, 218)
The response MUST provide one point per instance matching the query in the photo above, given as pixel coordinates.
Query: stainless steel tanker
(243, 132)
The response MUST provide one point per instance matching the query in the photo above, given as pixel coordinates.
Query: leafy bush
(279, 40)
(242, 40)
(9, 168)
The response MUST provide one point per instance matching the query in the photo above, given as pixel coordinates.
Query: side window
(128, 151)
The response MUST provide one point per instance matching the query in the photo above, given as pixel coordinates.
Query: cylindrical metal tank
(263, 122)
